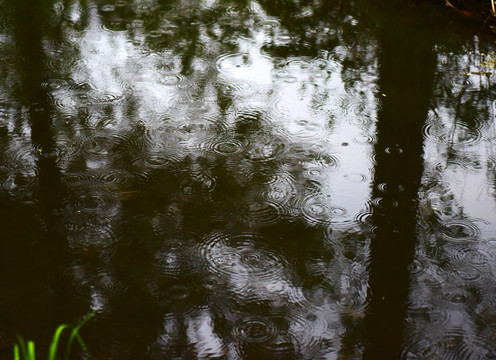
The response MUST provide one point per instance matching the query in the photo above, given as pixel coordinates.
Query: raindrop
(476, 256)
(309, 328)
(377, 202)
(116, 179)
(491, 163)
(107, 8)
(469, 134)
(316, 208)
(74, 179)
(63, 64)
(172, 79)
(305, 129)
(93, 203)
(469, 273)
(83, 232)
(416, 267)
(356, 177)
(290, 79)
(172, 265)
(390, 188)
(314, 172)
(320, 158)
(19, 184)
(227, 146)
(364, 139)
(232, 87)
(240, 257)
(54, 84)
(364, 217)
(161, 160)
(265, 212)
(255, 330)
(351, 306)
(103, 144)
(179, 294)
(281, 188)
(198, 184)
(265, 147)
(353, 105)
(269, 25)
(108, 98)
(19, 157)
(393, 150)
(433, 131)
(282, 73)
(460, 230)
(452, 344)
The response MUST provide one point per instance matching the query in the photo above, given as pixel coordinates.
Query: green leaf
(31, 351)
(52, 352)
(17, 356)
(24, 349)
(75, 335)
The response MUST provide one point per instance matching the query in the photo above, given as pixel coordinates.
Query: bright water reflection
(246, 180)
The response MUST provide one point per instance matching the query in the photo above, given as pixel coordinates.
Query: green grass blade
(17, 356)
(26, 350)
(81, 343)
(52, 352)
(75, 334)
(31, 351)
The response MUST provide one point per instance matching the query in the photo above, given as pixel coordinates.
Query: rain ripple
(265, 212)
(96, 203)
(113, 180)
(479, 256)
(222, 146)
(469, 135)
(161, 160)
(416, 267)
(172, 79)
(312, 331)
(433, 131)
(355, 107)
(198, 183)
(116, 179)
(281, 188)
(172, 265)
(254, 330)
(241, 257)
(82, 231)
(470, 274)
(454, 345)
(105, 144)
(317, 209)
(264, 146)
(459, 230)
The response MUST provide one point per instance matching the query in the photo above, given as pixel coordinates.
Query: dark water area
(248, 179)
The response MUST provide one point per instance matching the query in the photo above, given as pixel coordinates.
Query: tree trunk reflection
(407, 66)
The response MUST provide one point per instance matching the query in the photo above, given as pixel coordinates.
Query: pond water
(248, 179)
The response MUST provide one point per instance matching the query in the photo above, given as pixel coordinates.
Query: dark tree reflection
(39, 257)
(405, 84)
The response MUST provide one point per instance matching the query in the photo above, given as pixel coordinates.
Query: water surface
(247, 180)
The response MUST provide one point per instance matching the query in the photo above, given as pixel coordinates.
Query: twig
(463, 12)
